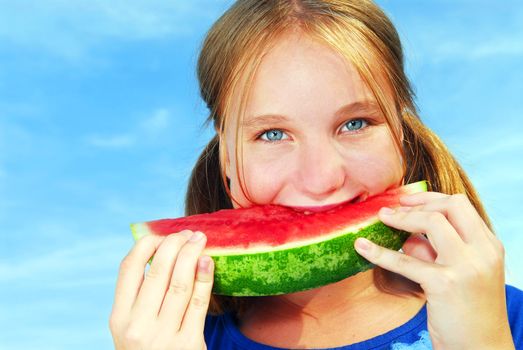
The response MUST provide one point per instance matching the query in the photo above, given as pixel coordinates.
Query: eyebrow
(358, 106)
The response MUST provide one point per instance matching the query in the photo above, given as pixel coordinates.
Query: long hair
(361, 33)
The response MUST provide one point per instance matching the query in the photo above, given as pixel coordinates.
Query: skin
(318, 161)
(314, 160)
(166, 308)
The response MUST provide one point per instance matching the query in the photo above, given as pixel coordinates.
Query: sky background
(100, 124)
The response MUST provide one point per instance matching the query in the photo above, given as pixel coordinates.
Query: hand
(459, 266)
(166, 309)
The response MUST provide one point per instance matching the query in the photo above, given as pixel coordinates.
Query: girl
(312, 108)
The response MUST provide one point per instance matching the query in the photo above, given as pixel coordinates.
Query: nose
(321, 168)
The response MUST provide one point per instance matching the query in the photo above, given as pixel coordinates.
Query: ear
(226, 157)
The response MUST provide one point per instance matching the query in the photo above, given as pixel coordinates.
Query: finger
(130, 276)
(442, 236)
(419, 247)
(195, 316)
(181, 284)
(410, 267)
(157, 278)
(460, 213)
(421, 198)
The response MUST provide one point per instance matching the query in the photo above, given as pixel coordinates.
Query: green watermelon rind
(139, 230)
(294, 269)
(301, 268)
(297, 268)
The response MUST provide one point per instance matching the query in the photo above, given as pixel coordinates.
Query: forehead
(300, 76)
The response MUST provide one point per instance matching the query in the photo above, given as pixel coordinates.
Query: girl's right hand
(166, 309)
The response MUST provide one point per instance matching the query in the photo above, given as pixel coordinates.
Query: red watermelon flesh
(237, 238)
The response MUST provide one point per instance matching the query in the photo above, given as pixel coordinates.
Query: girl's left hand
(460, 267)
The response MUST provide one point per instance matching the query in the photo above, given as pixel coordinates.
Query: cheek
(378, 166)
(373, 165)
(264, 175)
(268, 175)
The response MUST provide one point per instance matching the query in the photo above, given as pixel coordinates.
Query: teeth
(362, 197)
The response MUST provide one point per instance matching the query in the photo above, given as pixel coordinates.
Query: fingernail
(196, 237)
(186, 233)
(204, 263)
(387, 211)
(363, 244)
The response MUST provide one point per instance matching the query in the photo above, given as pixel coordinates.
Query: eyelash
(364, 120)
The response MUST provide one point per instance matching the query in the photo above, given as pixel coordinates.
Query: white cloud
(492, 147)
(52, 333)
(12, 133)
(465, 50)
(146, 130)
(74, 277)
(58, 338)
(69, 29)
(459, 31)
(502, 47)
(112, 141)
(157, 122)
(76, 261)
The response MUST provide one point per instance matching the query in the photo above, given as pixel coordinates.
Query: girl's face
(313, 134)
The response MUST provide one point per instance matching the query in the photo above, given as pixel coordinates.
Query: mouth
(317, 209)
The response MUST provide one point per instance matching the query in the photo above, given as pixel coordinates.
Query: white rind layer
(301, 243)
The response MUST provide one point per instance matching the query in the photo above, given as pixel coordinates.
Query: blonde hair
(361, 33)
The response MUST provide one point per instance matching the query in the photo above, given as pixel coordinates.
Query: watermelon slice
(271, 249)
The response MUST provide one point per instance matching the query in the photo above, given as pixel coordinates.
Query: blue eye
(356, 124)
(272, 135)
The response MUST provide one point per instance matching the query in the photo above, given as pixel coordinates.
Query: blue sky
(100, 123)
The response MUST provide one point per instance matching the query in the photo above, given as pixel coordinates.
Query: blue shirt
(222, 333)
